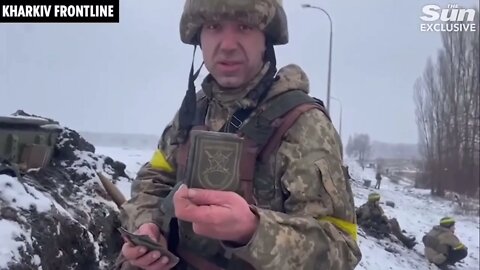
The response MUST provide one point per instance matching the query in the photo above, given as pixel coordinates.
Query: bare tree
(349, 149)
(447, 101)
(359, 147)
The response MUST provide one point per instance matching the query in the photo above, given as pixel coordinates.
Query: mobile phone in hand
(146, 241)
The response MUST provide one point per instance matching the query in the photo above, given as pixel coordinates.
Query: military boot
(409, 242)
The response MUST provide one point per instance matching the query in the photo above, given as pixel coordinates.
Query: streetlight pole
(340, 122)
(329, 51)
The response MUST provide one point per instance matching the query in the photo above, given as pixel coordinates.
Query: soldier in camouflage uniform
(442, 247)
(372, 219)
(302, 215)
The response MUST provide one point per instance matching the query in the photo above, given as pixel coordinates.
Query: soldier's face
(232, 52)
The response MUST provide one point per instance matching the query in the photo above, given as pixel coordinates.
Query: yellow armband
(347, 227)
(160, 162)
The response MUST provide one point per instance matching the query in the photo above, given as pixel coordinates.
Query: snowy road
(415, 210)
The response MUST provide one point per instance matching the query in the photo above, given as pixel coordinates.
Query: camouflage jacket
(371, 213)
(301, 192)
(438, 244)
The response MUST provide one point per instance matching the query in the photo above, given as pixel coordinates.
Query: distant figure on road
(442, 247)
(378, 177)
(372, 219)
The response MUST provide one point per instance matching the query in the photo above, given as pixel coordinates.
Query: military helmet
(268, 15)
(447, 222)
(373, 197)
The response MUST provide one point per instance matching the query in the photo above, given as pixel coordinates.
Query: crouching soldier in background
(371, 218)
(442, 247)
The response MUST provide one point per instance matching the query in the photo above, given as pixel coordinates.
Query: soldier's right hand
(139, 256)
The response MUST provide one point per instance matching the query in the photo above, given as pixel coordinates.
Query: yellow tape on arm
(160, 162)
(461, 246)
(347, 227)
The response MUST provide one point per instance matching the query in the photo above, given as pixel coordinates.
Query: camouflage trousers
(384, 228)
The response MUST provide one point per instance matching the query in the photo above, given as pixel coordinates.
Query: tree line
(447, 109)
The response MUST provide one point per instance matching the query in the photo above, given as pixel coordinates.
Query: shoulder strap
(265, 130)
(279, 116)
(287, 121)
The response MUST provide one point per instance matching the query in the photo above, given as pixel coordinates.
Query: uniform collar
(242, 97)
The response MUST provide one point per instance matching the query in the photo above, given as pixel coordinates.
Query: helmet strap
(188, 108)
(189, 104)
(270, 54)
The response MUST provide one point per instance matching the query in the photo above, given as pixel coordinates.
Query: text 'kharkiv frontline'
(38, 11)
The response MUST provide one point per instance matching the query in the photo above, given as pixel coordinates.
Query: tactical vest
(432, 240)
(262, 132)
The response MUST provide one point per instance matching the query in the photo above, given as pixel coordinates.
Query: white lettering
(47, 10)
(470, 12)
(26, 10)
(36, 11)
(71, 11)
(447, 27)
(449, 15)
(20, 12)
(84, 11)
(13, 11)
(430, 11)
(60, 11)
(5, 12)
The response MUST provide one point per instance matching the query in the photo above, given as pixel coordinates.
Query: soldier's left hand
(216, 214)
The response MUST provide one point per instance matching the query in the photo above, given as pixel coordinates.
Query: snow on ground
(132, 158)
(22, 196)
(17, 196)
(10, 230)
(415, 210)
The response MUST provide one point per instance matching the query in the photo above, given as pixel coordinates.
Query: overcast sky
(130, 77)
